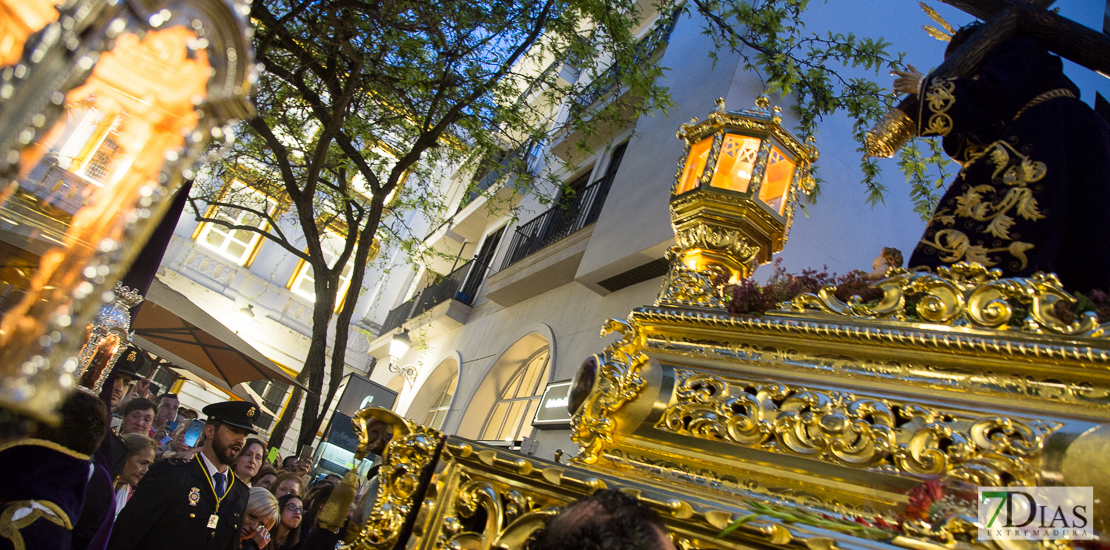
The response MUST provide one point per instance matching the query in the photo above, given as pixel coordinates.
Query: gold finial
(720, 102)
(763, 101)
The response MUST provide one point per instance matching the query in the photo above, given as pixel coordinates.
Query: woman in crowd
(139, 457)
(313, 503)
(250, 460)
(265, 477)
(287, 483)
(258, 520)
(287, 535)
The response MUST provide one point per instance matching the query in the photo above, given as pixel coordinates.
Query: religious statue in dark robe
(1034, 191)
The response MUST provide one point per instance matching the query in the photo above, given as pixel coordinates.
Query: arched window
(510, 418)
(438, 411)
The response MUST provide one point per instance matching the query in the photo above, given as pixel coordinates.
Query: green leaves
(771, 36)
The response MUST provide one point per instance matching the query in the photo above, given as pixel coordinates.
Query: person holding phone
(196, 502)
(166, 416)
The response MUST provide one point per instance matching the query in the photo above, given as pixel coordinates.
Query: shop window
(440, 407)
(511, 417)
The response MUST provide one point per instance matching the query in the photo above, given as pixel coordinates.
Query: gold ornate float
(821, 425)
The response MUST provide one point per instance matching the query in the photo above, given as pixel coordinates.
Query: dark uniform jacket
(171, 507)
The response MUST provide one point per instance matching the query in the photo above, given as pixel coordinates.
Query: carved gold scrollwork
(618, 381)
(472, 496)
(405, 458)
(683, 286)
(965, 294)
(856, 431)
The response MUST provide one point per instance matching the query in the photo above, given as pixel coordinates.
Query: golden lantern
(104, 108)
(736, 188)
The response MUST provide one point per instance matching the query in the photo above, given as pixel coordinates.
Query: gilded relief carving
(686, 287)
(841, 428)
(618, 381)
(411, 450)
(963, 295)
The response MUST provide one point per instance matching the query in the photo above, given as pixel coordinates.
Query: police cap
(240, 414)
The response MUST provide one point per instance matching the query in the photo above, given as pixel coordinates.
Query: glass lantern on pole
(105, 105)
(736, 188)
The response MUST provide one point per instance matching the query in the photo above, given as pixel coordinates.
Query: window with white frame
(438, 411)
(237, 245)
(510, 418)
(303, 281)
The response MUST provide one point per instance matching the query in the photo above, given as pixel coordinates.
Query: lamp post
(736, 188)
(398, 347)
(105, 105)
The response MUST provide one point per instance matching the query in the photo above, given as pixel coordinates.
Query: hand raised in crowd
(138, 389)
(261, 536)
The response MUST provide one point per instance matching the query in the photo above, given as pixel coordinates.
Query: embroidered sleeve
(939, 97)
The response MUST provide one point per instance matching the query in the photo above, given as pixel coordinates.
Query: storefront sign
(553, 406)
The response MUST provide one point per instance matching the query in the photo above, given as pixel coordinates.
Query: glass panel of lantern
(695, 165)
(18, 20)
(735, 164)
(776, 180)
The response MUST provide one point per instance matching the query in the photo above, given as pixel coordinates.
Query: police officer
(192, 503)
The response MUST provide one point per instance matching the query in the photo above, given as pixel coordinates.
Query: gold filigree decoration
(618, 381)
(841, 428)
(683, 286)
(966, 295)
(407, 455)
(888, 135)
(939, 98)
(1012, 198)
(720, 239)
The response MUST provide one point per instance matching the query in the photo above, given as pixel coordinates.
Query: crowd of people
(90, 483)
(134, 479)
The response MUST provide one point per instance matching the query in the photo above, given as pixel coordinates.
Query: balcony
(604, 86)
(442, 306)
(545, 252)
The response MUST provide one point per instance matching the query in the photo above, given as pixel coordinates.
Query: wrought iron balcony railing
(450, 286)
(559, 221)
(650, 45)
(519, 160)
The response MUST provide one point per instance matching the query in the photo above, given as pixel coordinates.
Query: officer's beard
(225, 453)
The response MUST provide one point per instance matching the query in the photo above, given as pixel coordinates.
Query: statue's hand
(908, 82)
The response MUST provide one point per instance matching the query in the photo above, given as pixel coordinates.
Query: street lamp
(398, 347)
(736, 188)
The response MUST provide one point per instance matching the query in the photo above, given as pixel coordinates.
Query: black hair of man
(84, 423)
(605, 520)
(139, 404)
(165, 395)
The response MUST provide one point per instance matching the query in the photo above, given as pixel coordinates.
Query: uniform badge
(250, 412)
(132, 356)
(194, 496)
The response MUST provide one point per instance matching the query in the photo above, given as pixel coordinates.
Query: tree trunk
(277, 436)
(311, 375)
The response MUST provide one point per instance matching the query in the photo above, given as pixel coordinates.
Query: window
(303, 280)
(273, 398)
(237, 245)
(438, 411)
(510, 419)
